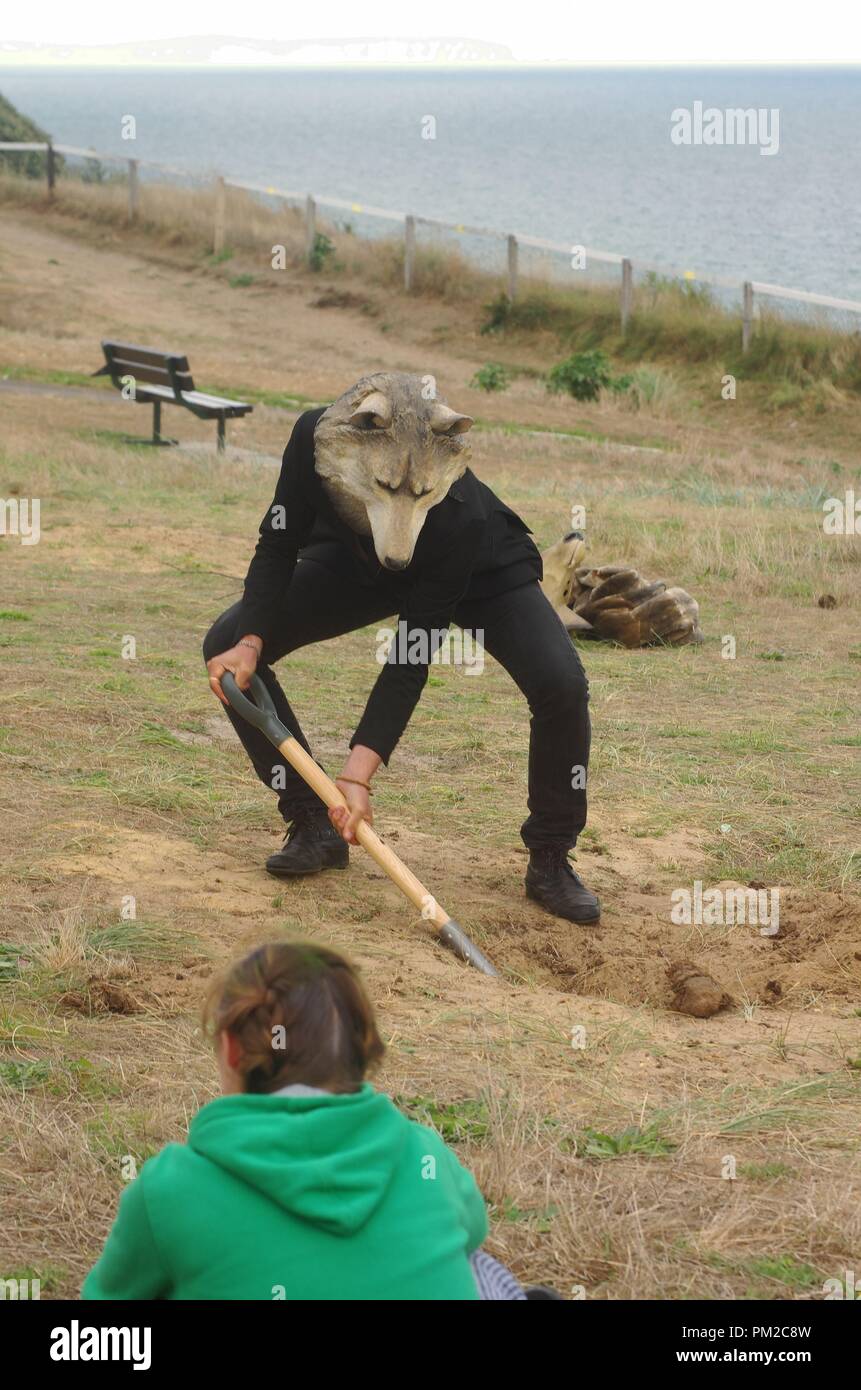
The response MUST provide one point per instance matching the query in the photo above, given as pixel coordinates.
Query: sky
(760, 31)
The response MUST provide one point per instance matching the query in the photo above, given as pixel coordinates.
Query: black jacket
(471, 546)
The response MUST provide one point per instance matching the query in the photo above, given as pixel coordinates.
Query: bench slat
(159, 376)
(149, 357)
(212, 405)
(161, 393)
(201, 398)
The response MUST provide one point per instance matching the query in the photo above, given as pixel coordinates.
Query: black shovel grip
(260, 711)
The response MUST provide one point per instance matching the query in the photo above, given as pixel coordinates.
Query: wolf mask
(386, 454)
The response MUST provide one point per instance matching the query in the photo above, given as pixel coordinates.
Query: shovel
(262, 714)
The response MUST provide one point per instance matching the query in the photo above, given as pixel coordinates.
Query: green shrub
(18, 129)
(498, 312)
(585, 375)
(491, 377)
(322, 250)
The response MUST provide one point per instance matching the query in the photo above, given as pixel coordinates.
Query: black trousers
(521, 631)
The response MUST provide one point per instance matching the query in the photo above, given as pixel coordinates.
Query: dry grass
(121, 778)
(183, 218)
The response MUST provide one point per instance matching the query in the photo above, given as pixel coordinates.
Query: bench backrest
(168, 369)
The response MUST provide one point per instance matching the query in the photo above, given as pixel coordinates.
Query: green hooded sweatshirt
(296, 1197)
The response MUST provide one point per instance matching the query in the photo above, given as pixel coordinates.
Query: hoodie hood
(328, 1159)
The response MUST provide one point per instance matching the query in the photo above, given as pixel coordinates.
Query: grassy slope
(118, 780)
(800, 378)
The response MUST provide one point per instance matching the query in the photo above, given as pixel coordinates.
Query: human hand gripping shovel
(262, 714)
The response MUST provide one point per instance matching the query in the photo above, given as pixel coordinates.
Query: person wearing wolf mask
(375, 514)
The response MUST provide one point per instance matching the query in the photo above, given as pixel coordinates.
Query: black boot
(311, 844)
(552, 882)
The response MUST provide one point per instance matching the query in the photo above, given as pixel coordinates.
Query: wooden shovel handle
(404, 878)
(261, 712)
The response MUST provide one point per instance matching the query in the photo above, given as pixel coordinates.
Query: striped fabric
(494, 1280)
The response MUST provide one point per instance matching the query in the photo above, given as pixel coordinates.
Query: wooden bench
(156, 378)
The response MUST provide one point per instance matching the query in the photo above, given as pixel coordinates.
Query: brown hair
(299, 1013)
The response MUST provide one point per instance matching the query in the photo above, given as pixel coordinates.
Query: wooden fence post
(133, 189)
(627, 292)
(409, 252)
(746, 314)
(51, 167)
(512, 268)
(220, 217)
(310, 228)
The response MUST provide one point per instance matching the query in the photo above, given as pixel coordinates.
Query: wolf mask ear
(375, 412)
(444, 420)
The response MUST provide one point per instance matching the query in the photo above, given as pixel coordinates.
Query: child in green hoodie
(301, 1181)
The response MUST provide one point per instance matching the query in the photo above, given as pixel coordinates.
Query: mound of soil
(694, 992)
(100, 997)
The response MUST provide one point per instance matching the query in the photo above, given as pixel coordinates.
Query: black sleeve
(283, 530)
(422, 625)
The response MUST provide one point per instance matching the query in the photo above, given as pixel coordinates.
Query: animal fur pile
(614, 602)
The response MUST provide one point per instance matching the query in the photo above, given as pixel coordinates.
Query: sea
(587, 156)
